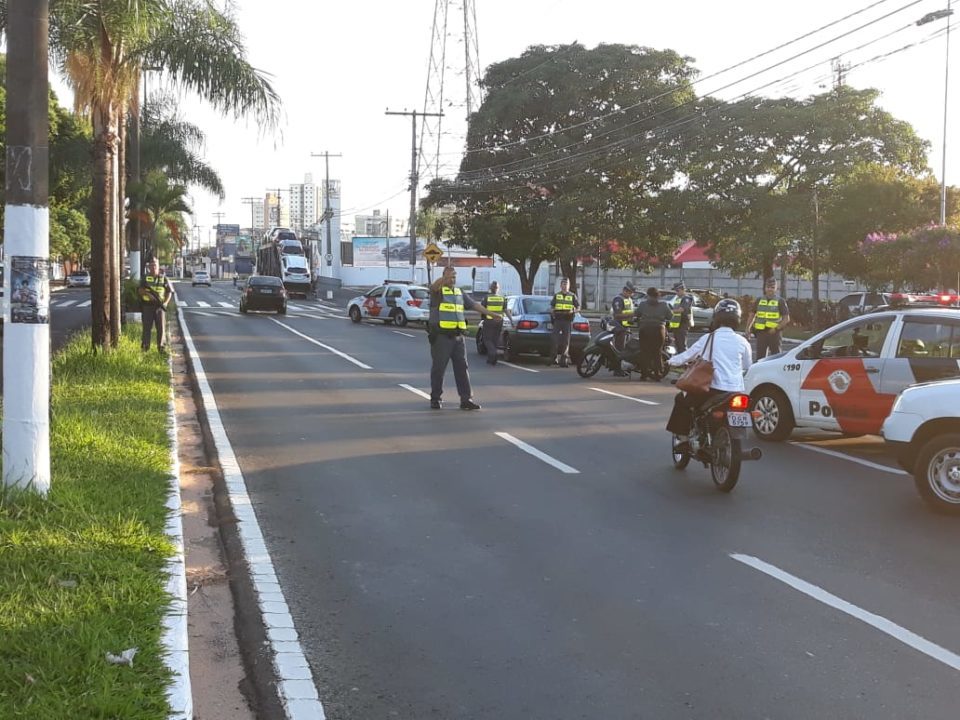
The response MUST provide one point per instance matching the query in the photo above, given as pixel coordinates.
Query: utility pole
(814, 258)
(216, 239)
(327, 212)
(252, 202)
(414, 183)
(26, 347)
(387, 234)
(266, 221)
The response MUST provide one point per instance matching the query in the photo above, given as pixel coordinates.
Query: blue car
(529, 329)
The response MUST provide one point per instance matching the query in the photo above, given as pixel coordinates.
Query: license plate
(739, 419)
(549, 326)
(266, 291)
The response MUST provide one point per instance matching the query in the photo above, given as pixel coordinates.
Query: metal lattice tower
(439, 97)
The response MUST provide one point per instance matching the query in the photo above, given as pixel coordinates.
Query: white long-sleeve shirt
(731, 356)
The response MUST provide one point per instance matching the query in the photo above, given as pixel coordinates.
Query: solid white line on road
(65, 303)
(226, 304)
(518, 367)
(85, 303)
(527, 448)
(415, 391)
(851, 458)
(625, 397)
(298, 695)
(201, 303)
(205, 314)
(325, 347)
(404, 334)
(888, 627)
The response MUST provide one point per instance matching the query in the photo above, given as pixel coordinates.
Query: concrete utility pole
(216, 239)
(327, 212)
(414, 183)
(26, 347)
(252, 202)
(266, 220)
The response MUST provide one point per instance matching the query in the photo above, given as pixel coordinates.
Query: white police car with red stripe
(846, 378)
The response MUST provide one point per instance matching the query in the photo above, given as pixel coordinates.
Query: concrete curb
(295, 686)
(175, 639)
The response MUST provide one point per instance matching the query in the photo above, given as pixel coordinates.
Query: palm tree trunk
(118, 219)
(101, 221)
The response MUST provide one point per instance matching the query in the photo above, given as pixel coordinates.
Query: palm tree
(158, 205)
(101, 48)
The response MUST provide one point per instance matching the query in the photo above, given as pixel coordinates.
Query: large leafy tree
(159, 204)
(101, 48)
(564, 152)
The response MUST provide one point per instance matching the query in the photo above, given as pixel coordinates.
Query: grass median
(82, 572)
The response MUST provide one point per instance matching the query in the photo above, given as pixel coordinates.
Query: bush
(129, 297)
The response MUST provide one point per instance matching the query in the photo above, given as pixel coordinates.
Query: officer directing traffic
(492, 329)
(155, 294)
(682, 319)
(769, 319)
(563, 307)
(445, 331)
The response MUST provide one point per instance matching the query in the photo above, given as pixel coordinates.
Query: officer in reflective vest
(769, 319)
(155, 294)
(682, 319)
(564, 306)
(492, 329)
(445, 330)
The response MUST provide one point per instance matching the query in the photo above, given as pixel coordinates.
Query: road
(434, 569)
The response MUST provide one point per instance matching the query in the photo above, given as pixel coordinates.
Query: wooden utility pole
(327, 212)
(414, 183)
(26, 346)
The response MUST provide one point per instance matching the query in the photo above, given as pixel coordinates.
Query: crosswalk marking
(85, 303)
(225, 304)
(297, 308)
(201, 303)
(65, 303)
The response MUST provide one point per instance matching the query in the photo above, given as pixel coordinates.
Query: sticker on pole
(29, 290)
(433, 253)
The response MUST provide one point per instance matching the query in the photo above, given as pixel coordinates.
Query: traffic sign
(433, 253)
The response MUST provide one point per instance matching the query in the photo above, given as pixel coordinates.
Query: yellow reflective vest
(155, 283)
(627, 308)
(768, 314)
(451, 310)
(563, 303)
(495, 302)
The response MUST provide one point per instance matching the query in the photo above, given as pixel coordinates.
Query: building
(274, 212)
(375, 224)
(258, 216)
(303, 204)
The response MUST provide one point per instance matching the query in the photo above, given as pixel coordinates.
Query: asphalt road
(435, 570)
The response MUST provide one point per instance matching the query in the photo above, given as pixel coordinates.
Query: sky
(339, 65)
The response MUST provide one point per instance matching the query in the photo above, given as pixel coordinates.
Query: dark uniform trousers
(768, 343)
(680, 337)
(492, 330)
(560, 339)
(153, 315)
(444, 348)
(651, 336)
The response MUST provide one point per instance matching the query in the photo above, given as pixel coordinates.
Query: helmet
(727, 309)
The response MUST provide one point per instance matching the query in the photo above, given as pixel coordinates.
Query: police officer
(155, 293)
(492, 329)
(682, 319)
(563, 307)
(445, 330)
(653, 315)
(622, 308)
(769, 319)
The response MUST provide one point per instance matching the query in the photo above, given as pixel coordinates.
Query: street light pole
(928, 18)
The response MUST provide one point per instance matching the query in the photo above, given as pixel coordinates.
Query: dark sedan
(529, 330)
(263, 292)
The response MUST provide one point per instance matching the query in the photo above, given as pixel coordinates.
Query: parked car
(529, 329)
(859, 303)
(847, 377)
(263, 292)
(394, 301)
(702, 311)
(79, 278)
(201, 277)
(923, 429)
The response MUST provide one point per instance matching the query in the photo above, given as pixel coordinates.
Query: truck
(281, 255)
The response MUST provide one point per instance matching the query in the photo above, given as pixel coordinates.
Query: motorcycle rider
(731, 356)
(652, 319)
(682, 319)
(623, 313)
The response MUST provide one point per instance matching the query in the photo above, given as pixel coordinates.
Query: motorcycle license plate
(739, 419)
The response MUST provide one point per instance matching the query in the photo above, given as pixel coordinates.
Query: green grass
(82, 572)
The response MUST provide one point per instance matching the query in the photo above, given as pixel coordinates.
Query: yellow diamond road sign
(433, 252)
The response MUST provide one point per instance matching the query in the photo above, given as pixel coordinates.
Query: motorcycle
(600, 352)
(716, 439)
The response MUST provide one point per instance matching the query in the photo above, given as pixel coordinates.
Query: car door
(841, 388)
(392, 299)
(927, 348)
(373, 304)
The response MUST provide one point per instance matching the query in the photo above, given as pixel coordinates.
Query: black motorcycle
(719, 429)
(600, 352)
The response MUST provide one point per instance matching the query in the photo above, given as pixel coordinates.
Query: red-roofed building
(692, 255)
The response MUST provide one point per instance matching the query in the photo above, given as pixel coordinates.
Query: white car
(924, 431)
(394, 301)
(79, 278)
(201, 277)
(846, 378)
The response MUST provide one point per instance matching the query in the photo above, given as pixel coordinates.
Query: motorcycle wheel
(664, 367)
(725, 460)
(590, 364)
(681, 458)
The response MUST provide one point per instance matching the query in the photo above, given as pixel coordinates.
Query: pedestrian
(492, 329)
(236, 276)
(563, 307)
(769, 319)
(155, 293)
(653, 316)
(445, 330)
(682, 319)
(623, 317)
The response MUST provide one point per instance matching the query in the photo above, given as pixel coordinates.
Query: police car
(395, 301)
(846, 378)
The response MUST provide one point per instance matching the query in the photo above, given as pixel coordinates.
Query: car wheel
(481, 346)
(243, 308)
(937, 473)
(355, 314)
(775, 421)
(509, 354)
(282, 310)
(400, 318)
